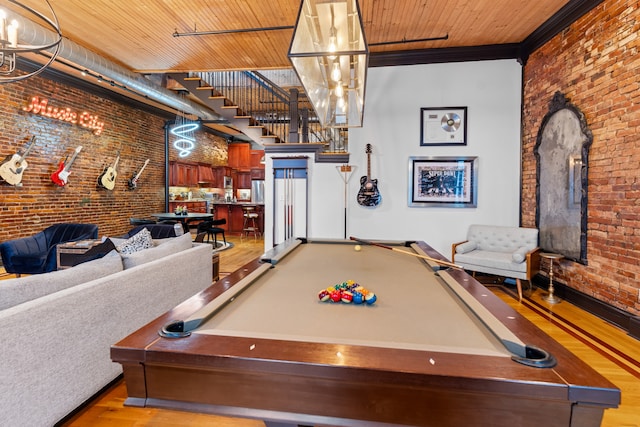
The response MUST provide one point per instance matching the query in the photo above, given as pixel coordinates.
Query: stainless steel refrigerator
(257, 191)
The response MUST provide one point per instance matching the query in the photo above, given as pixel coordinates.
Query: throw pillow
(520, 254)
(466, 247)
(136, 243)
(172, 246)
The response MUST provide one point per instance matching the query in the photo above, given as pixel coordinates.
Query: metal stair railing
(266, 104)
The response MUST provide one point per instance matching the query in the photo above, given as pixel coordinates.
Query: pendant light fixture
(330, 55)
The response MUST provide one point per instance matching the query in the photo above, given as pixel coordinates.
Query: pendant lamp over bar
(330, 55)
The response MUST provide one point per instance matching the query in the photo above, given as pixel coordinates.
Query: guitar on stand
(369, 194)
(13, 166)
(61, 175)
(107, 178)
(133, 182)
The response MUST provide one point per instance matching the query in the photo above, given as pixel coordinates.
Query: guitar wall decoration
(133, 182)
(369, 194)
(107, 178)
(61, 175)
(13, 166)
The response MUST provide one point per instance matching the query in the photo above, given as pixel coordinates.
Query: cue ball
(358, 248)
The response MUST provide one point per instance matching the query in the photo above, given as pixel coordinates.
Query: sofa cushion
(500, 263)
(22, 289)
(141, 240)
(166, 248)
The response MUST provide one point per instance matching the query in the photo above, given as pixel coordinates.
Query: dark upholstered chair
(212, 228)
(158, 231)
(37, 254)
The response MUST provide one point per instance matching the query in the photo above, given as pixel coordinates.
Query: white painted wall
(491, 90)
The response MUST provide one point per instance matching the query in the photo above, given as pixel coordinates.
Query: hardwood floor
(608, 349)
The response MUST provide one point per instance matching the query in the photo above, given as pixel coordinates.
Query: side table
(551, 298)
(67, 254)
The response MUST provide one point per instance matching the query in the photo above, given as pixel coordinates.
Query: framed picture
(443, 126)
(443, 182)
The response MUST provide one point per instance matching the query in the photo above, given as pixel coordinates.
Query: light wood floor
(608, 349)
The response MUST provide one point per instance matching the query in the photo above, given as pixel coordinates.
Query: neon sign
(186, 141)
(84, 119)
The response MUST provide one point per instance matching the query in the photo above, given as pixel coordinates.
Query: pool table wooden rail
(349, 385)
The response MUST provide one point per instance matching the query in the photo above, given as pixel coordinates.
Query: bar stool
(250, 224)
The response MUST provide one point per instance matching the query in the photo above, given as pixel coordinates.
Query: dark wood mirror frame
(562, 159)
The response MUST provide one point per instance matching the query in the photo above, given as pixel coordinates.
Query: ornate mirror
(562, 153)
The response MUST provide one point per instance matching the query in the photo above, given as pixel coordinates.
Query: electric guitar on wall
(369, 194)
(61, 175)
(133, 182)
(13, 166)
(107, 178)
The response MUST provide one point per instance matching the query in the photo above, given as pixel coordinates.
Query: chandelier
(330, 55)
(11, 46)
(184, 130)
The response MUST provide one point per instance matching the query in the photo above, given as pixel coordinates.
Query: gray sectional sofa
(57, 328)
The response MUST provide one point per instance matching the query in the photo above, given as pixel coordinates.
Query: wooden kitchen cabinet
(183, 174)
(206, 175)
(257, 173)
(240, 156)
(244, 180)
(192, 206)
(256, 157)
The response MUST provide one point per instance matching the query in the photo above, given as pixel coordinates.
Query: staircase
(265, 112)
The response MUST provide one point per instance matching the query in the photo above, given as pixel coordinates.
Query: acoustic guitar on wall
(61, 175)
(369, 194)
(133, 182)
(13, 166)
(107, 178)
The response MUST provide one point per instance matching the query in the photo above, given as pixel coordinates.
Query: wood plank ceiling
(139, 34)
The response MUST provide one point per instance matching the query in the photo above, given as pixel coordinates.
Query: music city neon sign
(85, 119)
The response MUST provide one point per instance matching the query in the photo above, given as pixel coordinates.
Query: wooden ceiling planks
(139, 34)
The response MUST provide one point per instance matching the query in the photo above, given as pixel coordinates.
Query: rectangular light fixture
(330, 55)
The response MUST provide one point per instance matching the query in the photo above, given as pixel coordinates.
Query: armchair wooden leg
(519, 285)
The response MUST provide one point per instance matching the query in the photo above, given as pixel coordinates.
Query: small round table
(551, 298)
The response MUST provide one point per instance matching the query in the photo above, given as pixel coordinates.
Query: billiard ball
(324, 295)
(358, 298)
(370, 298)
(346, 297)
(336, 296)
(357, 248)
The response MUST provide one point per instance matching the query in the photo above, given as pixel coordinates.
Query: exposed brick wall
(596, 64)
(137, 134)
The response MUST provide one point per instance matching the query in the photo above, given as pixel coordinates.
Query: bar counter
(232, 212)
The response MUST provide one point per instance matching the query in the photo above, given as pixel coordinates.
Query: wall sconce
(330, 55)
(10, 45)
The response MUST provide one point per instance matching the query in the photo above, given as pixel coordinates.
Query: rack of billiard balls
(347, 292)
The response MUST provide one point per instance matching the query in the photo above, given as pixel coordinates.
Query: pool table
(435, 349)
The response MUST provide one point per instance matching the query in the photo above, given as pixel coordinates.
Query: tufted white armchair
(503, 251)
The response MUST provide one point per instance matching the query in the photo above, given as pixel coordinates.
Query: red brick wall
(596, 64)
(137, 134)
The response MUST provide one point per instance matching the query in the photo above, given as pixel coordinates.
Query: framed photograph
(443, 126)
(443, 182)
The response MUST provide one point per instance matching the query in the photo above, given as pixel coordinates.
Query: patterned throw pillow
(137, 242)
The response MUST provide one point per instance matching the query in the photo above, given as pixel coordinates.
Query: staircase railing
(268, 105)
